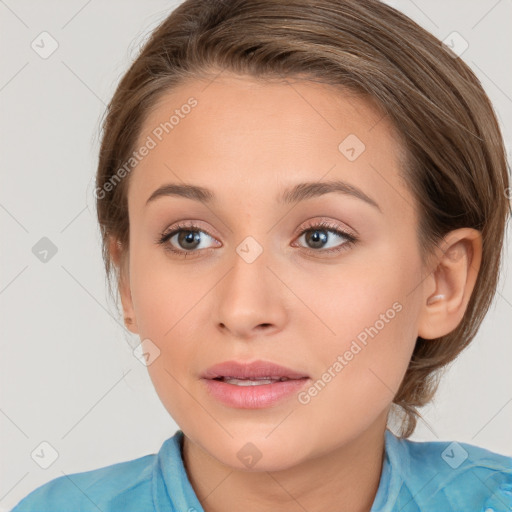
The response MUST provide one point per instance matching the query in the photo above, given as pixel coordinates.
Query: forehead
(237, 131)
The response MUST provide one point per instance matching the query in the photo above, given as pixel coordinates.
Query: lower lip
(254, 397)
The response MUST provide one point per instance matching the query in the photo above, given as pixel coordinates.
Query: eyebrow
(299, 192)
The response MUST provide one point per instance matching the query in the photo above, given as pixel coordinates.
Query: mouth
(251, 374)
(255, 385)
(255, 381)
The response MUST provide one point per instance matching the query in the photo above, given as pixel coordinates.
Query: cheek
(368, 316)
(359, 371)
(165, 298)
(165, 301)
(163, 294)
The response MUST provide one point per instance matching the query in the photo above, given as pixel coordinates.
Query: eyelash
(321, 226)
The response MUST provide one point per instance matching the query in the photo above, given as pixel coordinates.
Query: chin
(258, 452)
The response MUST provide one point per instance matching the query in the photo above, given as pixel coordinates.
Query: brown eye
(185, 239)
(188, 239)
(317, 238)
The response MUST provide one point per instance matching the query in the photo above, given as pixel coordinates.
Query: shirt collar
(395, 464)
(172, 490)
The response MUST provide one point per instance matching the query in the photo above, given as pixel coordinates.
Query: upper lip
(254, 369)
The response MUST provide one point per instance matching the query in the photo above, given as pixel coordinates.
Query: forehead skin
(247, 140)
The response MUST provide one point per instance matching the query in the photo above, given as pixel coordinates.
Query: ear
(120, 258)
(448, 287)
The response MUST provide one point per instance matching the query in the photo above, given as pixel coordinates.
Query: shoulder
(123, 486)
(457, 474)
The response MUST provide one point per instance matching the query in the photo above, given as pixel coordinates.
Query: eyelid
(327, 224)
(187, 224)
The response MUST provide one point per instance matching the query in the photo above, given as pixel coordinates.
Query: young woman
(303, 206)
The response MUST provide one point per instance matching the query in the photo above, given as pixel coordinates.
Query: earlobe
(449, 286)
(121, 260)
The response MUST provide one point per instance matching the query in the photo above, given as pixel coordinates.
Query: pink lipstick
(252, 385)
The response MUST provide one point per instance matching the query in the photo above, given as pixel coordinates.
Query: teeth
(252, 382)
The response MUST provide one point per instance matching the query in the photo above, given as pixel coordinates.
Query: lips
(255, 385)
(255, 370)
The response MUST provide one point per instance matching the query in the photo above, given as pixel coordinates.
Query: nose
(251, 299)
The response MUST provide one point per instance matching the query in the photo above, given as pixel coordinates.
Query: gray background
(68, 374)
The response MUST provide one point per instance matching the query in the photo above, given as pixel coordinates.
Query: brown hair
(455, 162)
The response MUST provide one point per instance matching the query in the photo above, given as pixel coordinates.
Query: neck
(346, 479)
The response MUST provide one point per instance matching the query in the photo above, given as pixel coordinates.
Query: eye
(320, 234)
(188, 237)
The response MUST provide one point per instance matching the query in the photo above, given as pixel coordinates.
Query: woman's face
(252, 284)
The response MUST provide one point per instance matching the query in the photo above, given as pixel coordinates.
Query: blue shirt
(416, 477)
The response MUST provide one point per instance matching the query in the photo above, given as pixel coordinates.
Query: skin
(247, 141)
